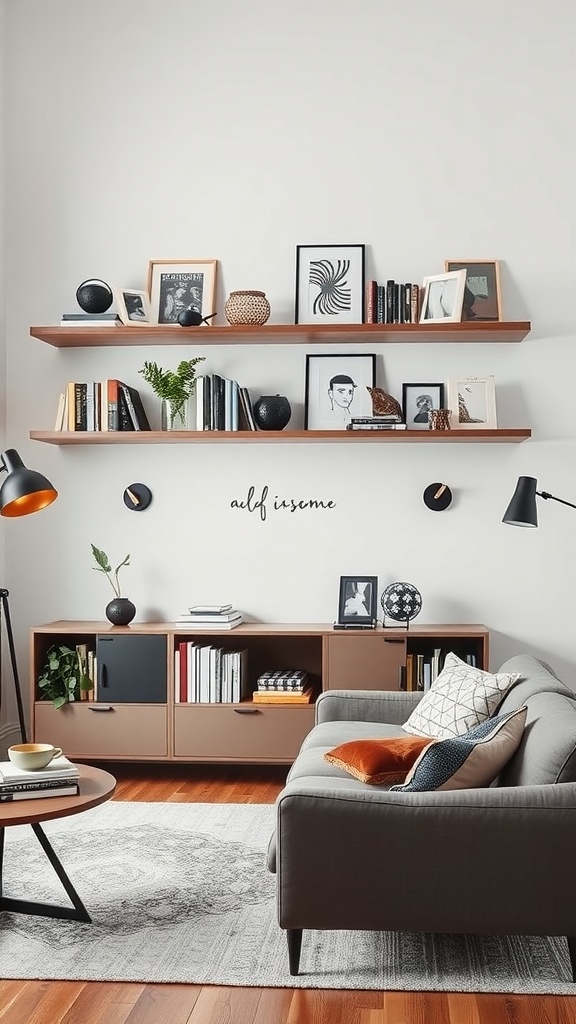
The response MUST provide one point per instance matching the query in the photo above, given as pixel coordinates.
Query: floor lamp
(22, 492)
(522, 508)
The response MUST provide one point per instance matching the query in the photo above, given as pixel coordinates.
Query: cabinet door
(367, 662)
(131, 669)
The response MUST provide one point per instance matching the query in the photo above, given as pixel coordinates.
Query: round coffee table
(96, 786)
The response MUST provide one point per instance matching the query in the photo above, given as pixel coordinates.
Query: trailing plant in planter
(173, 386)
(63, 676)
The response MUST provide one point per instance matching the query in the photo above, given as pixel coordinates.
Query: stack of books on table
(59, 778)
(376, 423)
(210, 616)
(283, 686)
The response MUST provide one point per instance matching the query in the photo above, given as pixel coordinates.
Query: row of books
(392, 303)
(207, 674)
(421, 670)
(376, 423)
(59, 778)
(100, 405)
(211, 617)
(221, 404)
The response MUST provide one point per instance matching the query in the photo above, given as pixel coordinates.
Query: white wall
(237, 130)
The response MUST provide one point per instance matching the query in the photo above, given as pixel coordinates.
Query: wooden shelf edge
(278, 334)
(505, 435)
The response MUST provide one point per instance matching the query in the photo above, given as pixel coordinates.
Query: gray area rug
(180, 892)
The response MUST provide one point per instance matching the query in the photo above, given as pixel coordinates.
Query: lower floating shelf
(506, 435)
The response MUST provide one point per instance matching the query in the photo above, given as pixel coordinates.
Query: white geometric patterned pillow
(460, 698)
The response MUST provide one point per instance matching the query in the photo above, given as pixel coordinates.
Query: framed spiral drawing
(329, 284)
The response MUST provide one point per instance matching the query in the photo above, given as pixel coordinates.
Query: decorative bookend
(383, 404)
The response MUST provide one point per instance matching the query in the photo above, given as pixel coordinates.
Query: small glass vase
(175, 415)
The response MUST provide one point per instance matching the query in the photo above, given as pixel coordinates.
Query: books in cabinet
(208, 674)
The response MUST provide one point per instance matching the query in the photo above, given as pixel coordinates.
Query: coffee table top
(96, 786)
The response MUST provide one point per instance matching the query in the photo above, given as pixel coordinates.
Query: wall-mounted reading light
(522, 508)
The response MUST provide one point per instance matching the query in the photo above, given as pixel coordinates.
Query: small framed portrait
(133, 307)
(357, 600)
(442, 298)
(472, 401)
(482, 288)
(337, 390)
(176, 285)
(329, 284)
(418, 400)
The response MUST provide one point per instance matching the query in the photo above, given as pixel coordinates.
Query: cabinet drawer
(122, 730)
(364, 662)
(241, 732)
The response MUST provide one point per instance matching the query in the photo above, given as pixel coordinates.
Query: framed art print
(357, 600)
(442, 299)
(472, 401)
(418, 400)
(337, 389)
(176, 285)
(482, 289)
(133, 307)
(329, 284)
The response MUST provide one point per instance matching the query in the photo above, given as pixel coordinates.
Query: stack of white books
(211, 616)
(59, 778)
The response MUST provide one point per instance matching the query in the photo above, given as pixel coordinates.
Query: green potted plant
(174, 387)
(119, 611)
(64, 675)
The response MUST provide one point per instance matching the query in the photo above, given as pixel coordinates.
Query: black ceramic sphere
(120, 611)
(401, 601)
(94, 296)
(272, 412)
(190, 318)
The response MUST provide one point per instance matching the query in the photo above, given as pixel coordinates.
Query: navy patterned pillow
(469, 761)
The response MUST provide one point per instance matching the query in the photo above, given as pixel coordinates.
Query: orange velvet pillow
(378, 761)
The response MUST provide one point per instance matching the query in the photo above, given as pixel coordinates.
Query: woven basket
(247, 307)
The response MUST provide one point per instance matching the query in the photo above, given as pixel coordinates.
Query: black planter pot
(272, 412)
(120, 611)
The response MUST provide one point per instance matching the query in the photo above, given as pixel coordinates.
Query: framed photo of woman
(443, 295)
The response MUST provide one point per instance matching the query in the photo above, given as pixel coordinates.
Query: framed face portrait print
(337, 390)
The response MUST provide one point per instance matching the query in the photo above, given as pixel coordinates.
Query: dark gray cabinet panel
(131, 669)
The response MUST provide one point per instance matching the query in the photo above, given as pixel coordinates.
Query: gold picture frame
(482, 293)
(176, 285)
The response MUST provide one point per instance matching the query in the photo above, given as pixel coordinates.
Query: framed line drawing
(357, 599)
(329, 284)
(133, 307)
(176, 285)
(442, 298)
(418, 400)
(482, 289)
(337, 389)
(472, 401)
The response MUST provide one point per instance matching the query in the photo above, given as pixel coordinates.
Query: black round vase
(120, 611)
(94, 296)
(272, 412)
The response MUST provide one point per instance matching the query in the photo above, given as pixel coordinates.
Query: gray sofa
(497, 860)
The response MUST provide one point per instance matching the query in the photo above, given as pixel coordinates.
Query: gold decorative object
(439, 419)
(247, 307)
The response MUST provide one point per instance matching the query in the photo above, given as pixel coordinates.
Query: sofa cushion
(330, 734)
(460, 698)
(378, 761)
(470, 761)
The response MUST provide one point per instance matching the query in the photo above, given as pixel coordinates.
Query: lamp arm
(4, 607)
(546, 495)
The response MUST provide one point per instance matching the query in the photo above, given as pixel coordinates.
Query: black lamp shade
(24, 490)
(522, 509)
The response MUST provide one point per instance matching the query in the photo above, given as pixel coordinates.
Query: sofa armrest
(390, 706)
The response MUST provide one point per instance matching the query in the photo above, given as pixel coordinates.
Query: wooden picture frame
(442, 298)
(176, 285)
(330, 284)
(133, 307)
(417, 402)
(472, 401)
(482, 294)
(357, 602)
(337, 389)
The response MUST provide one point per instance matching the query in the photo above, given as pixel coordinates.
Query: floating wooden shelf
(282, 334)
(506, 435)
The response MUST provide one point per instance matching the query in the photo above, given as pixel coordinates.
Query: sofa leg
(572, 952)
(294, 936)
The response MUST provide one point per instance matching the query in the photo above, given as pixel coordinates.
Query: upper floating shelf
(505, 435)
(281, 334)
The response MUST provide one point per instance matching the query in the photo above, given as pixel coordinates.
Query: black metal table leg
(77, 912)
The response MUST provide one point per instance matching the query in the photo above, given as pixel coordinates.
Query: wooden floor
(51, 1002)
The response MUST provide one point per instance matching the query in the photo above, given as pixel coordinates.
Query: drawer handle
(393, 639)
(100, 707)
(247, 711)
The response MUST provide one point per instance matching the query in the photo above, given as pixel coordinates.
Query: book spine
(414, 303)
(24, 787)
(380, 304)
(371, 289)
(37, 794)
(112, 403)
(126, 399)
(390, 287)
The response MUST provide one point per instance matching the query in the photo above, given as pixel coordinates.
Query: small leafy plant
(174, 386)
(63, 676)
(103, 565)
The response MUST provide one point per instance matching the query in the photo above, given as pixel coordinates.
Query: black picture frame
(330, 284)
(349, 374)
(357, 592)
(418, 400)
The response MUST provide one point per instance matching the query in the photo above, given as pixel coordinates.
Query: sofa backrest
(547, 753)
